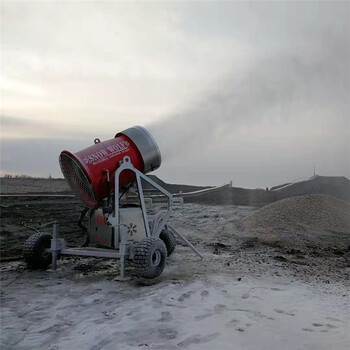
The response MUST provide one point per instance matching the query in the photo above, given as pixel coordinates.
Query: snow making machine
(102, 175)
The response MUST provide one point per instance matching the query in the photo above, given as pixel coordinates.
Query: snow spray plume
(275, 89)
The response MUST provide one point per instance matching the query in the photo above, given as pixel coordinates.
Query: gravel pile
(311, 212)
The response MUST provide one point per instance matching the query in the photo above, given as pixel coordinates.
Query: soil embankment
(336, 186)
(234, 196)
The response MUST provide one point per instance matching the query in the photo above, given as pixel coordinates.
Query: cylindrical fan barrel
(86, 171)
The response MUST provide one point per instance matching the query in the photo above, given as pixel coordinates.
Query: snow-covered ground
(240, 297)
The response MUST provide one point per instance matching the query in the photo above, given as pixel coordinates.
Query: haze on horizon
(257, 93)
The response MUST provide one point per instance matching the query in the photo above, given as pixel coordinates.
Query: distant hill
(336, 186)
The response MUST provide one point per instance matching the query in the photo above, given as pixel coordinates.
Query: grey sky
(253, 92)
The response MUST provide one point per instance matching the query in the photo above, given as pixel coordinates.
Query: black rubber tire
(169, 239)
(34, 251)
(149, 257)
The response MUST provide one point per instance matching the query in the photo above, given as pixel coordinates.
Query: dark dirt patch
(21, 217)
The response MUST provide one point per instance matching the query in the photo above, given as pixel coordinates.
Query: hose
(83, 227)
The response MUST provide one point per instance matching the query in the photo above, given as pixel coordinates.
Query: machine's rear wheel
(149, 257)
(34, 250)
(169, 239)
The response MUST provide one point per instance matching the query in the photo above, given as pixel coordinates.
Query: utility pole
(314, 170)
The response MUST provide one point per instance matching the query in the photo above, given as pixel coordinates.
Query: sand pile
(311, 212)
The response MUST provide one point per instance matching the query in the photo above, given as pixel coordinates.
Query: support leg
(54, 244)
(182, 238)
(123, 247)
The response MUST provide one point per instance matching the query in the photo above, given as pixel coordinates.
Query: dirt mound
(304, 230)
(317, 224)
(336, 186)
(311, 212)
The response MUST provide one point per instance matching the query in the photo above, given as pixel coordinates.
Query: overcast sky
(257, 93)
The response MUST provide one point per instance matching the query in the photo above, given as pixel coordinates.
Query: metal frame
(114, 219)
(123, 249)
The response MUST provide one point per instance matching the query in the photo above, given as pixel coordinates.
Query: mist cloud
(271, 91)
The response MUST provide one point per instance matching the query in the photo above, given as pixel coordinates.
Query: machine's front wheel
(169, 239)
(149, 257)
(34, 250)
